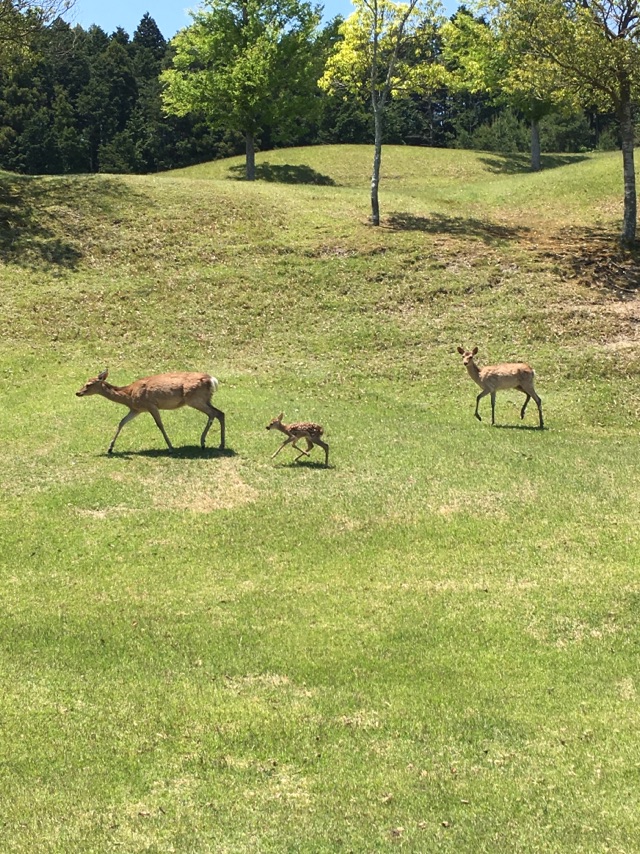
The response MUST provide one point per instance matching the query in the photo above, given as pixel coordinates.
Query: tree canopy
(84, 100)
(386, 49)
(244, 64)
(20, 20)
(591, 51)
(480, 60)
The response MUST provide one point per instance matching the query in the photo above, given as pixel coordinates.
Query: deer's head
(276, 423)
(467, 355)
(93, 386)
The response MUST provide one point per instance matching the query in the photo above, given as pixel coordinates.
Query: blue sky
(170, 15)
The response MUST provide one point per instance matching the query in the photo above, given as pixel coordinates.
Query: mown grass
(431, 645)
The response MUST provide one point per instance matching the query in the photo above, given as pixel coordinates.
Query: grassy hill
(431, 645)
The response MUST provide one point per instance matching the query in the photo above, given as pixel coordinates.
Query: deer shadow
(307, 464)
(519, 427)
(186, 452)
(285, 174)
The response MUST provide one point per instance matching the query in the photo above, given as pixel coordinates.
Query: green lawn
(433, 644)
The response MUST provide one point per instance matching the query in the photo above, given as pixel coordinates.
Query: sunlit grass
(431, 644)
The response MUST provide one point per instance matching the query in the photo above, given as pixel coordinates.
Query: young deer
(491, 379)
(300, 430)
(163, 391)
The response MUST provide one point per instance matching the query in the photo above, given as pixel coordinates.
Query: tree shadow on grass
(25, 237)
(517, 164)
(42, 220)
(186, 452)
(285, 174)
(595, 256)
(454, 225)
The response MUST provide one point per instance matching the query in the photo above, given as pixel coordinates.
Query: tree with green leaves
(386, 50)
(20, 20)
(590, 49)
(246, 65)
(479, 60)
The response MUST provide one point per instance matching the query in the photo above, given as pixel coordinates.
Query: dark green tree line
(81, 100)
(84, 101)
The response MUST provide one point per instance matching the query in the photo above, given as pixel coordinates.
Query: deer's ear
(281, 416)
(103, 375)
(474, 351)
(461, 351)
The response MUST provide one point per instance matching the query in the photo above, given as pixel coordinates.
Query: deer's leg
(131, 414)
(325, 447)
(493, 408)
(212, 414)
(220, 417)
(303, 453)
(527, 399)
(539, 405)
(478, 399)
(287, 441)
(156, 417)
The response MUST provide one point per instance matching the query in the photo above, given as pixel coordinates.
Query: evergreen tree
(106, 103)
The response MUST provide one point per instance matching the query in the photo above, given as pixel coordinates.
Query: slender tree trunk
(536, 162)
(250, 145)
(251, 157)
(630, 199)
(377, 159)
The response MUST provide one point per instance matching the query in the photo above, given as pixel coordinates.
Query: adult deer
(299, 430)
(163, 391)
(493, 378)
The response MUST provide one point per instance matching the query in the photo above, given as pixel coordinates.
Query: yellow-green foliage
(383, 45)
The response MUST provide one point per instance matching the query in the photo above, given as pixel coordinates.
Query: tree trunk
(536, 163)
(627, 133)
(377, 159)
(251, 157)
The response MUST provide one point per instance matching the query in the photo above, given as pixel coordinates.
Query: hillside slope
(471, 247)
(430, 644)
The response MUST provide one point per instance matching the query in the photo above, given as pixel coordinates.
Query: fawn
(515, 375)
(299, 430)
(163, 391)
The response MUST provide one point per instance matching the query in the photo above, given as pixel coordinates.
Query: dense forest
(84, 101)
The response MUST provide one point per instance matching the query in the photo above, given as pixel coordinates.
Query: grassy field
(433, 644)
